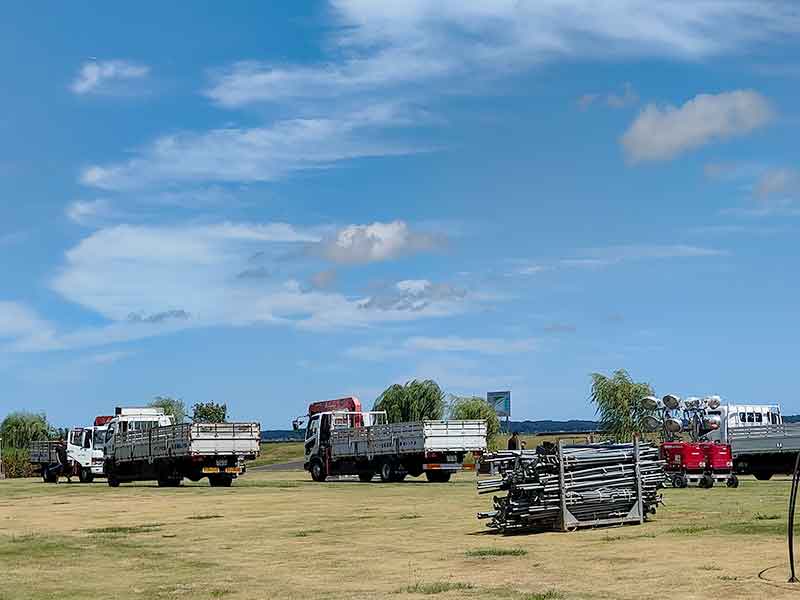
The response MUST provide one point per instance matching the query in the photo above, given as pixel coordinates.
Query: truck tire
(762, 475)
(733, 481)
(388, 471)
(438, 476)
(318, 472)
(679, 481)
(113, 481)
(169, 482)
(706, 481)
(85, 475)
(366, 476)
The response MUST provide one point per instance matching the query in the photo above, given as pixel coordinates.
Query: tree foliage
(21, 428)
(414, 401)
(475, 407)
(171, 406)
(209, 412)
(618, 402)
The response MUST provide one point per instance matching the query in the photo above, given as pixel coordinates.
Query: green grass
(278, 452)
(306, 532)
(548, 595)
(436, 587)
(117, 530)
(488, 552)
(763, 517)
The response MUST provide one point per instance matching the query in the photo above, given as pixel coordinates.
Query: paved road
(294, 465)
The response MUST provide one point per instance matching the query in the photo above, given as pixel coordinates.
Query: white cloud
(249, 155)
(661, 133)
(376, 242)
(474, 345)
(610, 255)
(89, 212)
(149, 280)
(380, 46)
(107, 77)
(417, 295)
(105, 358)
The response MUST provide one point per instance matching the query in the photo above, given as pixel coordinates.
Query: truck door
(312, 438)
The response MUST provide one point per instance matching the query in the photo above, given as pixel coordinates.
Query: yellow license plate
(231, 469)
(210, 469)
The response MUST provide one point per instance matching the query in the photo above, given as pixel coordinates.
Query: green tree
(171, 406)
(618, 402)
(209, 412)
(475, 407)
(21, 428)
(414, 401)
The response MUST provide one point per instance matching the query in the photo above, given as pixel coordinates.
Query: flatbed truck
(341, 439)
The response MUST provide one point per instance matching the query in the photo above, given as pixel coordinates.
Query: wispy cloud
(628, 97)
(474, 345)
(250, 155)
(386, 47)
(661, 133)
(108, 77)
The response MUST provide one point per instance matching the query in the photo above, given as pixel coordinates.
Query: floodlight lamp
(673, 425)
(650, 402)
(652, 423)
(671, 401)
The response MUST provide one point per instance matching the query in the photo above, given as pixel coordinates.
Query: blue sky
(271, 204)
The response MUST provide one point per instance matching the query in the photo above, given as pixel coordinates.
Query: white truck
(761, 444)
(148, 446)
(343, 440)
(85, 456)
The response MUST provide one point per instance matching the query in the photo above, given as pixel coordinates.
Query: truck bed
(409, 438)
(766, 439)
(188, 439)
(43, 452)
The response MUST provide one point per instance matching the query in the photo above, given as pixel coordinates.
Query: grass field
(278, 452)
(279, 535)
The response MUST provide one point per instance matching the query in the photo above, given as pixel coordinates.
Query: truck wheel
(438, 476)
(85, 475)
(366, 476)
(398, 477)
(733, 481)
(318, 472)
(113, 481)
(679, 481)
(762, 475)
(706, 481)
(388, 472)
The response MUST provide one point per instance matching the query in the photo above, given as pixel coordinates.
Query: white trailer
(342, 442)
(168, 453)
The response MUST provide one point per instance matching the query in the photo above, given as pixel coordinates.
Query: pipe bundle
(564, 487)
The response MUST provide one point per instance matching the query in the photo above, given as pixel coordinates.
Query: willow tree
(474, 407)
(618, 402)
(414, 401)
(21, 428)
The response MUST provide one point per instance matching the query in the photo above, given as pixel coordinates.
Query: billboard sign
(500, 402)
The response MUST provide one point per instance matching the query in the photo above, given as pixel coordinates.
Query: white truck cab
(85, 446)
(742, 416)
(133, 419)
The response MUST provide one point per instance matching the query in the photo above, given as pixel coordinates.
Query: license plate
(452, 458)
(222, 462)
(210, 469)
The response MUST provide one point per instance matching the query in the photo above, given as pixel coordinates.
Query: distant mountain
(791, 418)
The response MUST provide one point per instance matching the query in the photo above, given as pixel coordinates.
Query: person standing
(513, 441)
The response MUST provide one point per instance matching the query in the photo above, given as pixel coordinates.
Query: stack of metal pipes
(572, 486)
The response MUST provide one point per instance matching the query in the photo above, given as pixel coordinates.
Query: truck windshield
(99, 438)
